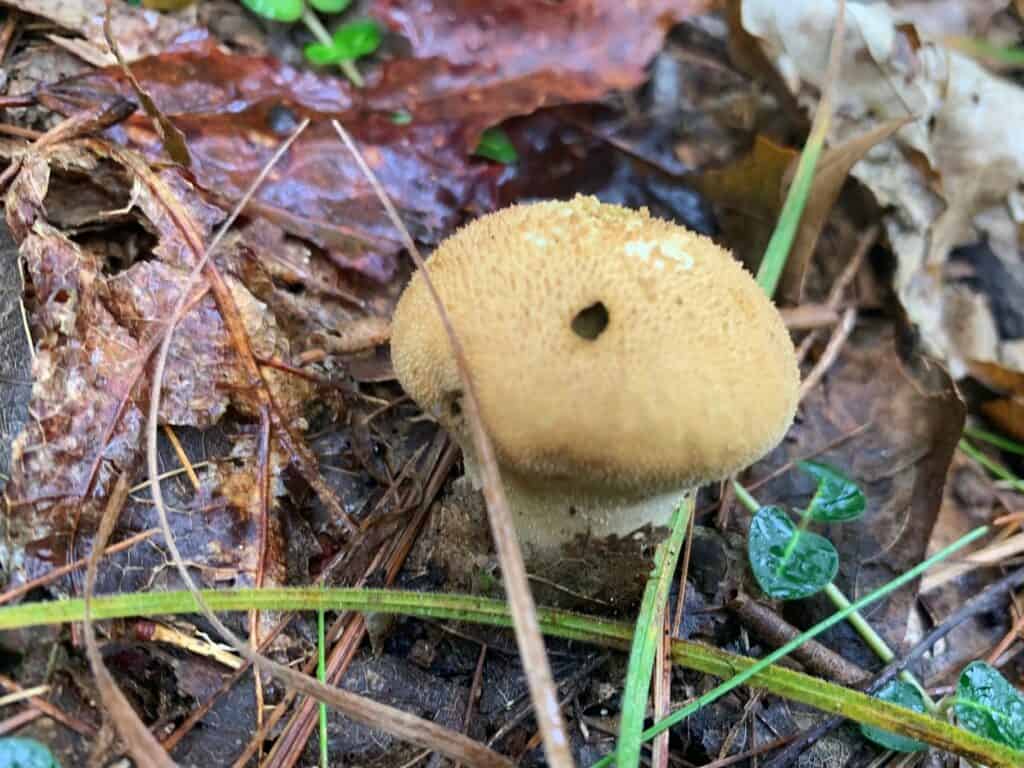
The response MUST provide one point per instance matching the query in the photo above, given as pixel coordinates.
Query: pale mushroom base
(591, 557)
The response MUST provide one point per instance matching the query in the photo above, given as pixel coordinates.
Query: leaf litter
(314, 268)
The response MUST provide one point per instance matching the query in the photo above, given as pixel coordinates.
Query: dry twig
(510, 556)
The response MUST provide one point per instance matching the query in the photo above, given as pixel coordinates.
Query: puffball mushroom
(619, 360)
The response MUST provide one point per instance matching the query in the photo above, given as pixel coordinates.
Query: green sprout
(495, 145)
(348, 43)
(788, 562)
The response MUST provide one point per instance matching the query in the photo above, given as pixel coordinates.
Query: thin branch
(985, 601)
(141, 744)
(835, 345)
(510, 556)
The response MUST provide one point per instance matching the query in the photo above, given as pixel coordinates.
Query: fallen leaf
(1006, 413)
(753, 189)
(497, 57)
(752, 184)
(95, 329)
(951, 176)
(749, 193)
(902, 417)
(140, 32)
(233, 111)
(829, 177)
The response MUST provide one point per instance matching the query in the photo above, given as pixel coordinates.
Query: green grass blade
(1012, 56)
(321, 675)
(993, 438)
(650, 625)
(777, 252)
(781, 242)
(994, 467)
(791, 685)
(742, 677)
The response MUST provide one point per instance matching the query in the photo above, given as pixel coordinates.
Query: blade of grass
(739, 679)
(999, 441)
(321, 675)
(779, 245)
(992, 466)
(1009, 56)
(650, 625)
(777, 680)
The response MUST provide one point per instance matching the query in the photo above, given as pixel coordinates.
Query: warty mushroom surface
(619, 361)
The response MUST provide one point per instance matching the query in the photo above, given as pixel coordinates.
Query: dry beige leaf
(140, 32)
(951, 177)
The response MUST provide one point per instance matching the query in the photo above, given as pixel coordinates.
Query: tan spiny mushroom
(620, 361)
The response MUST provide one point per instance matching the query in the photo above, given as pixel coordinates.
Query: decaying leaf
(753, 183)
(235, 109)
(901, 417)
(140, 32)
(755, 186)
(497, 59)
(81, 431)
(95, 329)
(1005, 412)
(829, 177)
(950, 177)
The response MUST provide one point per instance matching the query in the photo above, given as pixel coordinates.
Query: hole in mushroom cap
(591, 321)
(453, 403)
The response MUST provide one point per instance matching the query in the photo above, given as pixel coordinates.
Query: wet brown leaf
(829, 177)
(498, 58)
(471, 66)
(95, 328)
(1006, 413)
(900, 460)
(140, 32)
(82, 430)
(753, 188)
(753, 183)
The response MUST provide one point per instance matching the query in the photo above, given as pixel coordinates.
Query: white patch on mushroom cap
(639, 249)
(535, 238)
(671, 249)
(674, 251)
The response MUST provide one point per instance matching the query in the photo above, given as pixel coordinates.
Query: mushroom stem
(553, 522)
(592, 545)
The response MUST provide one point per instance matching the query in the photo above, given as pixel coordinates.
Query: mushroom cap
(612, 353)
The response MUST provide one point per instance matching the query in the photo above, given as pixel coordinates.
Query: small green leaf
(330, 6)
(495, 145)
(988, 705)
(276, 10)
(788, 563)
(838, 499)
(401, 117)
(358, 39)
(25, 753)
(904, 695)
(321, 55)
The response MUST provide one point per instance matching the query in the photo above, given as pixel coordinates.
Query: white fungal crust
(692, 378)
